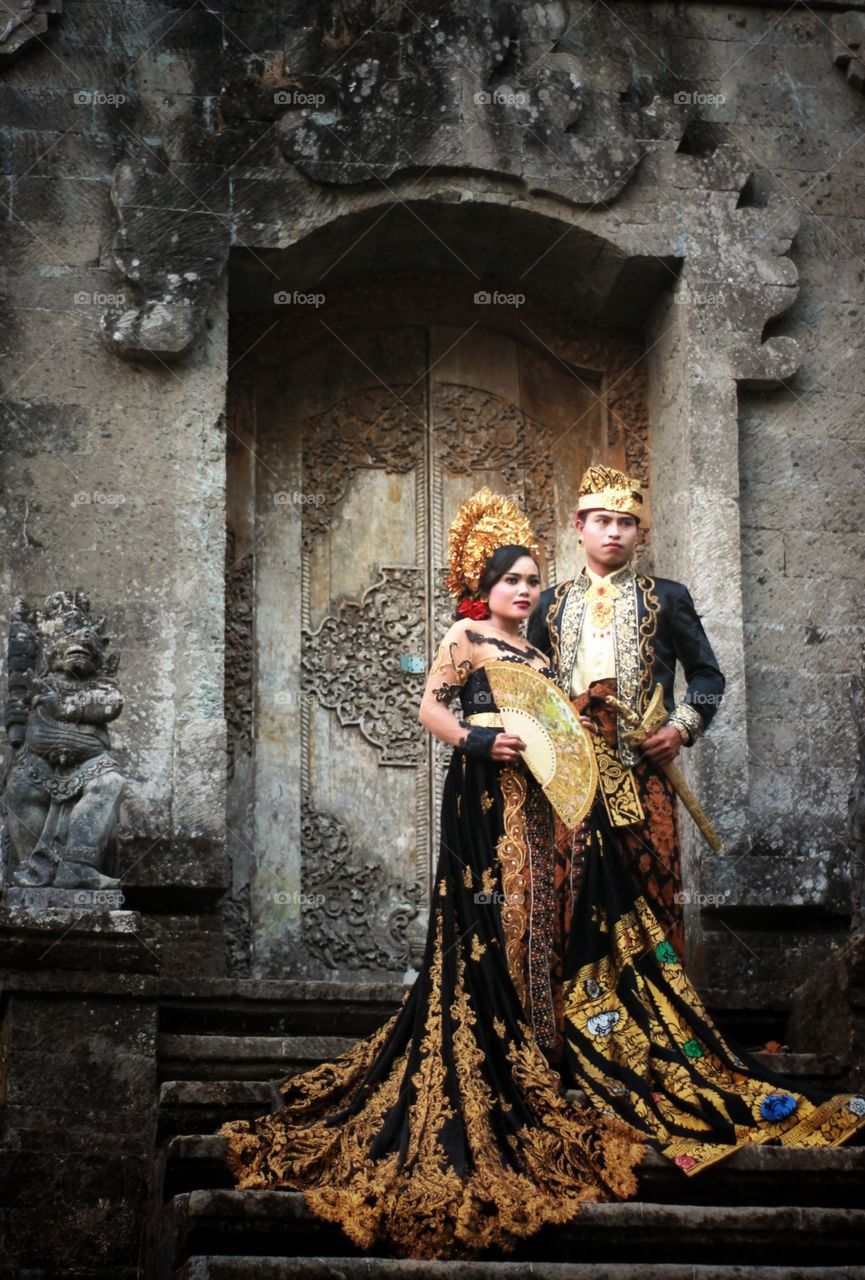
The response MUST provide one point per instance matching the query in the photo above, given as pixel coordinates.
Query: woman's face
(517, 591)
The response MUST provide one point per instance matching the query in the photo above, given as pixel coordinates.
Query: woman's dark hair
(502, 559)
(497, 565)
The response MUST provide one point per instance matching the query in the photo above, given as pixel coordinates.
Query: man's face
(609, 537)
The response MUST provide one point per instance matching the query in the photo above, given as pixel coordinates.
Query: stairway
(765, 1214)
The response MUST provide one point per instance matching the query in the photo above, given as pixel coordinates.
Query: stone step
(261, 1057)
(369, 1268)
(215, 1057)
(201, 1106)
(259, 1006)
(277, 1224)
(758, 1175)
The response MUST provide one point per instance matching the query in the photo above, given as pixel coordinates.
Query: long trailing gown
(447, 1131)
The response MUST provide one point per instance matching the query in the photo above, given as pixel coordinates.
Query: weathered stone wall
(146, 140)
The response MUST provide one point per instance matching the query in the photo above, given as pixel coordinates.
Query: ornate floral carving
(236, 919)
(474, 430)
(351, 663)
(363, 919)
(378, 428)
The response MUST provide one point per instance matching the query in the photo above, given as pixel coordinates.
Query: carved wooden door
(362, 460)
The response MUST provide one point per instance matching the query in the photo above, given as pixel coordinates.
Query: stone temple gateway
(283, 284)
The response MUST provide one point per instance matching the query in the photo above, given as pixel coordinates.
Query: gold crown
(484, 522)
(610, 490)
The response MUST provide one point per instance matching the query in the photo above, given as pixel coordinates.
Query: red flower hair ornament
(477, 610)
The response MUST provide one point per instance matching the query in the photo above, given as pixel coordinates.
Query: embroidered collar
(617, 578)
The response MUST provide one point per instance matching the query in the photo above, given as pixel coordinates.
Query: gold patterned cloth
(640, 1042)
(446, 1133)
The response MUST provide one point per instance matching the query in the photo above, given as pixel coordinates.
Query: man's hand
(662, 746)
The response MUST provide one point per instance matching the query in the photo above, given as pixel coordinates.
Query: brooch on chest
(600, 604)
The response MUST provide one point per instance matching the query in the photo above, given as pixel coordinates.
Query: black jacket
(656, 626)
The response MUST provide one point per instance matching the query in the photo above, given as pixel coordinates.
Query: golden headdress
(485, 522)
(610, 490)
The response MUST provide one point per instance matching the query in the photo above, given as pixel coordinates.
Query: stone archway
(690, 352)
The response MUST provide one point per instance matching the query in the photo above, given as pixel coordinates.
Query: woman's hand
(507, 746)
(589, 724)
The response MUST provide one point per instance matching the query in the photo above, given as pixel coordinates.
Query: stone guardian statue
(64, 787)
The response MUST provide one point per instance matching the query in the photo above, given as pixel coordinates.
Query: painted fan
(558, 750)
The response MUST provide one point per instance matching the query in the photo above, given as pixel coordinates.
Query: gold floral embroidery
(486, 801)
(427, 1205)
(683, 1096)
(512, 855)
(468, 879)
(617, 786)
(648, 630)
(552, 628)
(690, 720)
(571, 624)
(478, 947)
(627, 658)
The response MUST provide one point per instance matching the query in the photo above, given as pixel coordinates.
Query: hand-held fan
(558, 749)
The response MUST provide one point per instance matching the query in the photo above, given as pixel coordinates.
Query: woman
(447, 1132)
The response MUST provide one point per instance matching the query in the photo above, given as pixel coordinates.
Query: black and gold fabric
(640, 1042)
(447, 1132)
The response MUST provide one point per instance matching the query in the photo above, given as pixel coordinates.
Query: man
(614, 631)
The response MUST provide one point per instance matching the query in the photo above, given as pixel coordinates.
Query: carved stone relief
(351, 663)
(363, 919)
(22, 23)
(475, 430)
(379, 428)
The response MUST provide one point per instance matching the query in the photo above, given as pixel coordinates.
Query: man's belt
(655, 715)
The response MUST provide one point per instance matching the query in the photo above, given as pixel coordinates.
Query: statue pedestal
(79, 1076)
(74, 929)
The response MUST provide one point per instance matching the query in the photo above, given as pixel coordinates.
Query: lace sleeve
(451, 664)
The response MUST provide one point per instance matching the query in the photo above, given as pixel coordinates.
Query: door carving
(363, 451)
